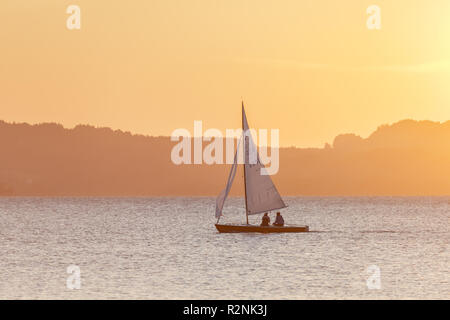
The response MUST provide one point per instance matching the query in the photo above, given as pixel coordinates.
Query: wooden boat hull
(239, 228)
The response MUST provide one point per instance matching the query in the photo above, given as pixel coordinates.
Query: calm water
(158, 248)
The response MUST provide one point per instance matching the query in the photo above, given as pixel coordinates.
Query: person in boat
(265, 220)
(279, 221)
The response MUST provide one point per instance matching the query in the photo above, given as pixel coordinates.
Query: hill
(406, 158)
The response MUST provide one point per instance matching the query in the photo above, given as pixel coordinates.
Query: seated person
(265, 220)
(279, 221)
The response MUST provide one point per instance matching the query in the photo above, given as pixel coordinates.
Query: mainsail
(261, 193)
(223, 195)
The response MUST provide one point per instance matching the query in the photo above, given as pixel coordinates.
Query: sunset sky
(309, 68)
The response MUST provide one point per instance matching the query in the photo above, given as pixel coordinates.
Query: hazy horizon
(122, 130)
(407, 158)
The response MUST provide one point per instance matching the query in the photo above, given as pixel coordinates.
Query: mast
(245, 159)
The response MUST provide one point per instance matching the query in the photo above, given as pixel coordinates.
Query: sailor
(265, 220)
(279, 221)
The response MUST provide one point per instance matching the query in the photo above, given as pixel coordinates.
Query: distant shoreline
(408, 158)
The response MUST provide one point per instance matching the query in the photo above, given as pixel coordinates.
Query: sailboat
(261, 195)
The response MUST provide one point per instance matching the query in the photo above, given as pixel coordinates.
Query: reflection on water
(144, 248)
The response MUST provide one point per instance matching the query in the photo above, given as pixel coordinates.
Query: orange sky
(310, 68)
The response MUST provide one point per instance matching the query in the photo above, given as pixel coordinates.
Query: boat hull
(239, 228)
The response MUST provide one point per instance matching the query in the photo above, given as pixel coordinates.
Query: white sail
(223, 195)
(261, 193)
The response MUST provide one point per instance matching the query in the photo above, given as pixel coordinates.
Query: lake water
(168, 248)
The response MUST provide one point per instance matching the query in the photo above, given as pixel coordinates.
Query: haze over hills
(406, 158)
